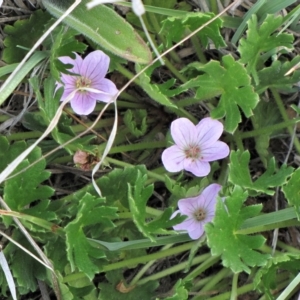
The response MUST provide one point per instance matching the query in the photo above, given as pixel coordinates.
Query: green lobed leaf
(260, 39)
(236, 92)
(175, 28)
(28, 184)
(136, 121)
(239, 174)
(80, 253)
(23, 33)
(105, 27)
(181, 290)
(138, 195)
(292, 192)
(155, 91)
(266, 278)
(238, 252)
(274, 76)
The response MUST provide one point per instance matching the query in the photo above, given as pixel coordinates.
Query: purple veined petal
(82, 104)
(108, 88)
(197, 167)
(197, 231)
(216, 151)
(183, 132)
(67, 91)
(209, 196)
(208, 131)
(95, 65)
(188, 206)
(185, 225)
(77, 63)
(69, 80)
(172, 159)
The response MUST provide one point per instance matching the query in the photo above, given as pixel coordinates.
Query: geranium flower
(195, 146)
(90, 81)
(200, 210)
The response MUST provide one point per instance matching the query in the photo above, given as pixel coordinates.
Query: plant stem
(174, 269)
(146, 258)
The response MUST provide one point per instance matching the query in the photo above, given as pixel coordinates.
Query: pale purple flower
(200, 210)
(90, 73)
(195, 146)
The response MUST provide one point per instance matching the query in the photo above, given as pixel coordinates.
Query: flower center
(83, 82)
(192, 152)
(200, 214)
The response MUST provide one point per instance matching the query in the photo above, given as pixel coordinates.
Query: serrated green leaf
(105, 27)
(136, 121)
(79, 251)
(153, 90)
(23, 33)
(27, 184)
(235, 90)
(292, 191)
(262, 39)
(239, 174)
(274, 76)
(181, 290)
(238, 252)
(175, 28)
(138, 195)
(265, 279)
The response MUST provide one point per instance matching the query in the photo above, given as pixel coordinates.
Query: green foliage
(235, 91)
(155, 91)
(238, 252)
(105, 27)
(265, 114)
(138, 195)
(23, 33)
(181, 289)
(260, 39)
(136, 121)
(239, 174)
(274, 76)
(266, 278)
(80, 253)
(27, 184)
(174, 29)
(115, 288)
(64, 44)
(291, 191)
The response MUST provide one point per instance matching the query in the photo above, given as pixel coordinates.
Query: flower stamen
(200, 214)
(192, 152)
(83, 82)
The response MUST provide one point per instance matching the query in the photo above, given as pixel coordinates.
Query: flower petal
(197, 231)
(108, 88)
(83, 104)
(172, 159)
(95, 65)
(208, 131)
(188, 206)
(215, 151)
(183, 132)
(197, 167)
(209, 196)
(186, 225)
(77, 62)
